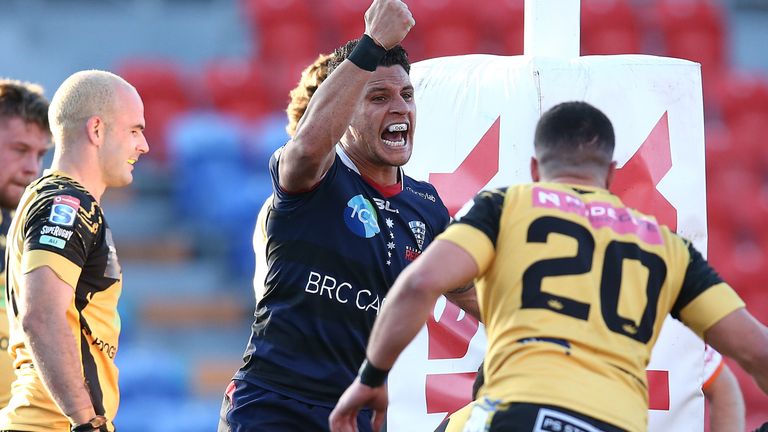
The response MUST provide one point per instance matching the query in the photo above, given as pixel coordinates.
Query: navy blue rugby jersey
(332, 253)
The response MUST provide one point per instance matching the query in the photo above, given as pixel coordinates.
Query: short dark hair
(24, 100)
(574, 134)
(394, 56)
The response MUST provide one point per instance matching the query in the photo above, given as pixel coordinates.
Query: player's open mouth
(395, 135)
(131, 161)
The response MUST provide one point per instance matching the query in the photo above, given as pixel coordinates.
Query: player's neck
(78, 171)
(577, 180)
(382, 175)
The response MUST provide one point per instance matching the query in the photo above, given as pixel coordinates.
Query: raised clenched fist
(388, 21)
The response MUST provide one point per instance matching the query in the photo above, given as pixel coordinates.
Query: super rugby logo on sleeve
(64, 210)
(360, 217)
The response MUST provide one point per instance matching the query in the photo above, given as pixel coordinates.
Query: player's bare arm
(408, 305)
(306, 158)
(43, 305)
(749, 349)
(413, 296)
(726, 403)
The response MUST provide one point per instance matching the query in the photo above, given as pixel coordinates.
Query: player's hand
(387, 22)
(344, 416)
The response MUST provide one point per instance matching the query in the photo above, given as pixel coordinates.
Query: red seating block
(237, 88)
(609, 27)
(736, 194)
(283, 30)
(694, 30)
(743, 94)
(343, 19)
(265, 12)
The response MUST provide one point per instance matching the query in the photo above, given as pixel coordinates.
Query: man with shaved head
(64, 279)
(24, 139)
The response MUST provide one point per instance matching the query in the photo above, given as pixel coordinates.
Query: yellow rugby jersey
(6, 368)
(573, 288)
(61, 226)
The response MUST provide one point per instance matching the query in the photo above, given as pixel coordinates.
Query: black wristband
(366, 54)
(372, 376)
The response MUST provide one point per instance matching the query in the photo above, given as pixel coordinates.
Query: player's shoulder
(420, 190)
(487, 203)
(675, 239)
(499, 195)
(53, 184)
(64, 197)
(412, 185)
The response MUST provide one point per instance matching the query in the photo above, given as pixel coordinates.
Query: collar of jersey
(351, 165)
(579, 188)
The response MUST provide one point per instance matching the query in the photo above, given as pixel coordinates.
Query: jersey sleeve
(439, 218)
(288, 201)
(704, 298)
(59, 232)
(476, 227)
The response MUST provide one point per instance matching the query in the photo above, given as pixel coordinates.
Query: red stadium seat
(237, 88)
(609, 27)
(503, 26)
(450, 39)
(283, 77)
(743, 103)
(289, 41)
(729, 148)
(743, 94)
(694, 30)
(735, 195)
(284, 30)
(165, 94)
(739, 258)
(748, 134)
(265, 12)
(343, 19)
(443, 27)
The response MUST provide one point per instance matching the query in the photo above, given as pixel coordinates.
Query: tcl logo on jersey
(64, 210)
(360, 217)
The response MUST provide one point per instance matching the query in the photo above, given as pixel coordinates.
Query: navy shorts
(250, 408)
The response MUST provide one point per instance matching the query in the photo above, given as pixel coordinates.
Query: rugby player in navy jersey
(343, 222)
(573, 287)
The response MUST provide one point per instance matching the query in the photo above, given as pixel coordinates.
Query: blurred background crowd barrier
(215, 76)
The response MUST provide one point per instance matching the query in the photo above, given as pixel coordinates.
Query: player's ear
(95, 129)
(609, 176)
(535, 176)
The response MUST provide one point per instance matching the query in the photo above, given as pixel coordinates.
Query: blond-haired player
(64, 279)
